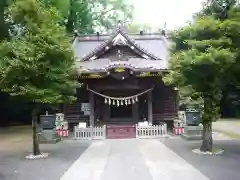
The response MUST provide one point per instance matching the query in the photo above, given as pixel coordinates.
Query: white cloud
(156, 12)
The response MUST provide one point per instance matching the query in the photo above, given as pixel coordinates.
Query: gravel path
(224, 167)
(13, 166)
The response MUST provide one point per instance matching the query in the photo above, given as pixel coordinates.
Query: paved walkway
(131, 160)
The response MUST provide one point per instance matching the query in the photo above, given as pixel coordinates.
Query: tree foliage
(217, 8)
(204, 54)
(88, 16)
(37, 64)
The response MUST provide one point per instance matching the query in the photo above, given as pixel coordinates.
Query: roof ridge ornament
(119, 24)
(122, 27)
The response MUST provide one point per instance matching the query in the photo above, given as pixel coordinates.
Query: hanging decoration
(120, 101)
(136, 99)
(126, 103)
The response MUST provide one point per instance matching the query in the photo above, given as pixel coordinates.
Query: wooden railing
(90, 133)
(156, 131)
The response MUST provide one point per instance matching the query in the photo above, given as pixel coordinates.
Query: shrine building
(122, 80)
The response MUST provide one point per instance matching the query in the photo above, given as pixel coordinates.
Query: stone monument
(48, 134)
(193, 129)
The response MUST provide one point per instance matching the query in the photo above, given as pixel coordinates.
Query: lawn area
(17, 137)
(229, 127)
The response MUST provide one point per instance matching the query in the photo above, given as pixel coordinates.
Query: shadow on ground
(224, 167)
(13, 166)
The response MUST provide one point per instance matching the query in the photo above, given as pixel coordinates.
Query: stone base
(49, 141)
(215, 152)
(192, 133)
(40, 156)
(191, 137)
(49, 137)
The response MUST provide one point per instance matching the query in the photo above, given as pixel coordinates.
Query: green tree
(227, 10)
(89, 16)
(201, 58)
(217, 8)
(106, 13)
(37, 64)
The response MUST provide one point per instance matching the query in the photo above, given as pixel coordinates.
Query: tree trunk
(207, 141)
(36, 149)
(3, 25)
(71, 18)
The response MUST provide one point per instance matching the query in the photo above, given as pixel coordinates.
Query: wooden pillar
(135, 112)
(106, 112)
(64, 109)
(149, 97)
(177, 97)
(91, 104)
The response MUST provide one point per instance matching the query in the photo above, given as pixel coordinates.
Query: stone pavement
(129, 160)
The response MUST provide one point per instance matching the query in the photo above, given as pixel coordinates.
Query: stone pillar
(149, 97)
(92, 113)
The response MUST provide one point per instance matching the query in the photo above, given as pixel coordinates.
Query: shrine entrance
(121, 113)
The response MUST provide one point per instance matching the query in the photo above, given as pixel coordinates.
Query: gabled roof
(152, 48)
(153, 45)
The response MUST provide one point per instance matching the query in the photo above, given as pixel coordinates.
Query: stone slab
(164, 164)
(128, 159)
(90, 165)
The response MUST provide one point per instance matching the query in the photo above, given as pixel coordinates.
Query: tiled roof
(152, 44)
(153, 48)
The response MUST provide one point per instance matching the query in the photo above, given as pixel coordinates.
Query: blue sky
(156, 12)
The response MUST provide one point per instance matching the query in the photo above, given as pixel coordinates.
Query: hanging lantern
(105, 101)
(113, 102)
(117, 102)
(129, 101)
(109, 101)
